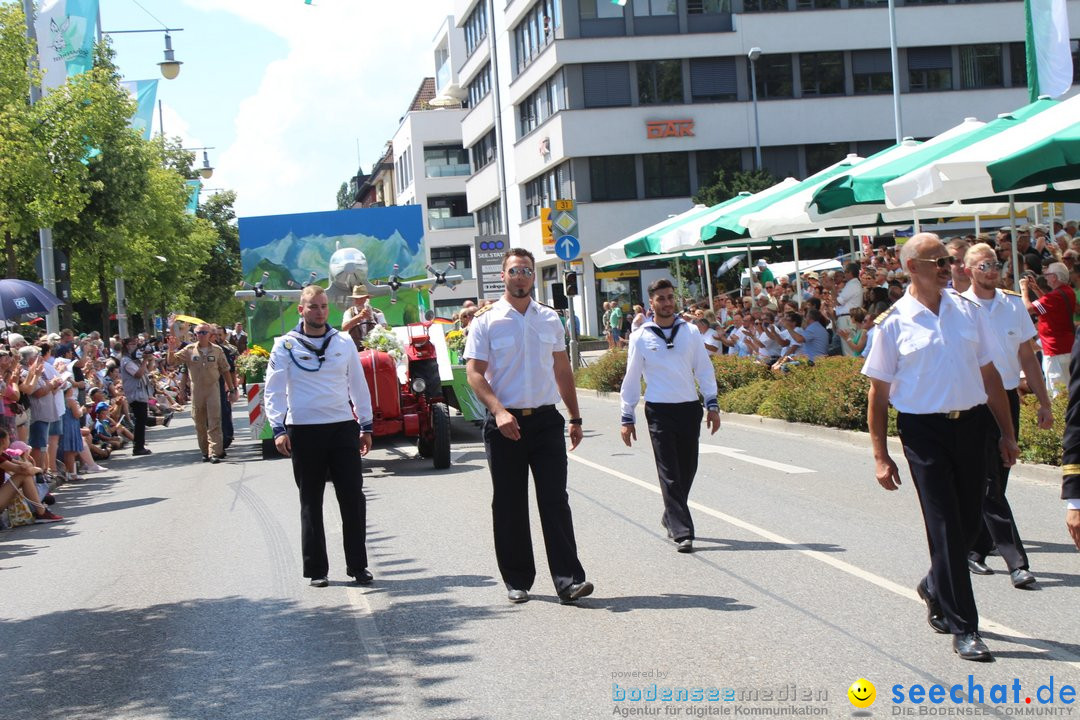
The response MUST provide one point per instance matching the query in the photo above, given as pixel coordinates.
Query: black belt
(954, 414)
(526, 412)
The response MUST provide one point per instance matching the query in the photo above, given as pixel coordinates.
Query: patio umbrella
(1053, 159)
(962, 174)
(20, 297)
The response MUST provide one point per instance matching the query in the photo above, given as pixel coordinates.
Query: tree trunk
(103, 297)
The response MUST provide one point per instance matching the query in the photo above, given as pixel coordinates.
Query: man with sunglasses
(517, 365)
(206, 364)
(1013, 353)
(925, 350)
(674, 365)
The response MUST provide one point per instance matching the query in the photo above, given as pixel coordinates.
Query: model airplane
(348, 268)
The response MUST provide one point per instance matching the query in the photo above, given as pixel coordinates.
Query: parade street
(174, 590)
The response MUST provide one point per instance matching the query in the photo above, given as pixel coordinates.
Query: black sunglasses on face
(202, 332)
(941, 262)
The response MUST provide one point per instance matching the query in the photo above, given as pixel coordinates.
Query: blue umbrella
(20, 297)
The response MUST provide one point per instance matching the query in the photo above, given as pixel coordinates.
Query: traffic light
(545, 226)
(570, 284)
(558, 298)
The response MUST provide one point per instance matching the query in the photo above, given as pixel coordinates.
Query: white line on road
(737, 454)
(367, 630)
(1055, 653)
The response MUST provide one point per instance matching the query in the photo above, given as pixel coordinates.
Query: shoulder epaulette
(545, 305)
(1010, 292)
(965, 298)
(483, 310)
(882, 316)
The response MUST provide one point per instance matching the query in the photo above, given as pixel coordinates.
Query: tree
(344, 200)
(725, 188)
(221, 274)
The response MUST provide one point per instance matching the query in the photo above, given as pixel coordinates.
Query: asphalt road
(174, 591)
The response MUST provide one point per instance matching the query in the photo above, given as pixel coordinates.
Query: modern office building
(628, 110)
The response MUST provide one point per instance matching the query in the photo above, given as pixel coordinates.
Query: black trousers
(139, 413)
(321, 453)
(951, 483)
(542, 448)
(226, 416)
(998, 526)
(674, 429)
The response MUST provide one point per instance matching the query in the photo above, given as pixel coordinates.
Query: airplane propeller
(440, 277)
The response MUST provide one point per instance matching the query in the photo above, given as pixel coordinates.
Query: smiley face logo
(862, 693)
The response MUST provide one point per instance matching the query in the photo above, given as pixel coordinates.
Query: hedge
(831, 392)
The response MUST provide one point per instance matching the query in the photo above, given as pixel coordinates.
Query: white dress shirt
(850, 297)
(932, 361)
(1011, 327)
(519, 349)
(302, 391)
(669, 373)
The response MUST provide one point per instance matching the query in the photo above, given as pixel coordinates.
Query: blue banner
(194, 186)
(145, 94)
(66, 31)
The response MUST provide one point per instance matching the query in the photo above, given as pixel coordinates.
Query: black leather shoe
(979, 567)
(363, 577)
(206, 458)
(685, 546)
(934, 617)
(1021, 578)
(970, 646)
(141, 451)
(319, 582)
(576, 592)
(215, 459)
(517, 596)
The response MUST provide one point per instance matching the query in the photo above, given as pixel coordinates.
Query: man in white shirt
(849, 298)
(516, 363)
(670, 361)
(314, 384)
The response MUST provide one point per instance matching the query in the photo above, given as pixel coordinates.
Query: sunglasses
(202, 332)
(941, 262)
(522, 271)
(987, 266)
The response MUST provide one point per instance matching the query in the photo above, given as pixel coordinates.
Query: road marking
(737, 454)
(985, 623)
(367, 630)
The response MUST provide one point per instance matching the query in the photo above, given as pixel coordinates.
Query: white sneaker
(95, 469)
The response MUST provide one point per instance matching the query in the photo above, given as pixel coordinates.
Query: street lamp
(206, 171)
(753, 55)
(170, 66)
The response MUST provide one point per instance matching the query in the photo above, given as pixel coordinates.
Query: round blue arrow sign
(567, 247)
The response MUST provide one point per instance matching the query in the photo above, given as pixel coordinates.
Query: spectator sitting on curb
(18, 480)
(103, 428)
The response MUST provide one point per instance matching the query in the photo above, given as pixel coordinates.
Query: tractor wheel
(440, 425)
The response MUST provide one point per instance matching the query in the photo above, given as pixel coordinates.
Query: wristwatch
(575, 421)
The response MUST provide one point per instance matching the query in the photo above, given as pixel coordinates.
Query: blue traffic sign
(567, 247)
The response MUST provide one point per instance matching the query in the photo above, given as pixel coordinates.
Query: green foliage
(221, 272)
(606, 372)
(1041, 446)
(747, 399)
(831, 392)
(344, 200)
(733, 372)
(725, 187)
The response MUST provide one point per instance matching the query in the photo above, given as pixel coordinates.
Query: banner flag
(66, 30)
(194, 186)
(1049, 57)
(144, 92)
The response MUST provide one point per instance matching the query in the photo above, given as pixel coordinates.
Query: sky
(293, 98)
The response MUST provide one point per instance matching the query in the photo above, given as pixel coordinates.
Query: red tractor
(412, 405)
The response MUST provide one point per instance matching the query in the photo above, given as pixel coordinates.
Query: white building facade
(628, 110)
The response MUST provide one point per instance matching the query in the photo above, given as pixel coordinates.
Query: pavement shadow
(1038, 546)
(729, 545)
(1034, 649)
(666, 601)
(210, 658)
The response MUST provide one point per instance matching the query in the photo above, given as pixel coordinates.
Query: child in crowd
(18, 480)
(103, 428)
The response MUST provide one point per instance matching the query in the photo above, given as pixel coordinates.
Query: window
(659, 81)
(593, 9)
(774, 76)
(476, 28)
(484, 151)
(867, 3)
(654, 7)
(480, 86)
(929, 68)
(764, 5)
(613, 177)
(446, 212)
(547, 188)
(606, 84)
(536, 30)
(709, 162)
(460, 255)
(1074, 45)
(707, 7)
(980, 66)
(445, 161)
(821, 155)
(866, 148)
(547, 100)
(872, 71)
(712, 79)
(816, 4)
(781, 160)
(403, 169)
(489, 219)
(666, 174)
(822, 73)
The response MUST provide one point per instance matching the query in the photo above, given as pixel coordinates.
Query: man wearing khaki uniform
(206, 363)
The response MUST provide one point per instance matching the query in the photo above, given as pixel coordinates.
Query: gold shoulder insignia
(483, 310)
(1010, 292)
(882, 316)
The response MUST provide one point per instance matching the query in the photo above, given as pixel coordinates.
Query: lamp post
(170, 66)
(206, 171)
(753, 55)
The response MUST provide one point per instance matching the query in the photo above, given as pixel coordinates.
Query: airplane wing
(271, 294)
(378, 289)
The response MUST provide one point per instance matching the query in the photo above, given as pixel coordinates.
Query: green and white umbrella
(1051, 160)
(963, 175)
(618, 252)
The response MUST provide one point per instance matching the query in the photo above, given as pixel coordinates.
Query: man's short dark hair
(853, 268)
(814, 302)
(518, 252)
(657, 285)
